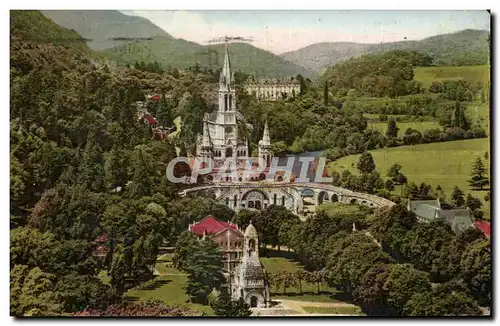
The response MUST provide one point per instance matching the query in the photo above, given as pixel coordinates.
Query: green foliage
(204, 266)
(378, 75)
(227, 307)
(366, 163)
(443, 300)
(479, 175)
(184, 247)
(476, 270)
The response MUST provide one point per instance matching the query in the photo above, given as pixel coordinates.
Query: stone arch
(253, 301)
(229, 152)
(259, 298)
(371, 205)
(364, 202)
(322, 196)
(353, 201)
(307, 193)
(334, 198)
(255, 198)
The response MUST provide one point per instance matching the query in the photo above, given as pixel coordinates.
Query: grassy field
(426, 75)
(446, 164)
(418, 125)
(334, 310)
(283, 261)
(170, 289)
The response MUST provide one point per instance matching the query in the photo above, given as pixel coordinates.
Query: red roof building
(210, 225)
(149, 119)
(483, 226)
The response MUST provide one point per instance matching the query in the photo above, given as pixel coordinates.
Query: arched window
(275, 199)
(282, 200)
(230, 101)
(227, 201)
(235, 200)
(225, 102)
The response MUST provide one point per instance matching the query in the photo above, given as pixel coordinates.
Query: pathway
(287, 307)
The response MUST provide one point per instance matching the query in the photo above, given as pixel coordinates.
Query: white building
(220, 138)
(249, 280)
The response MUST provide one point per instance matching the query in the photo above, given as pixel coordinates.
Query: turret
(265, 151)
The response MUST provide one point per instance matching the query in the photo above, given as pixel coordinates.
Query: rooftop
(210, 225)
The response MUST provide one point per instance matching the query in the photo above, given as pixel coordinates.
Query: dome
(250, 231)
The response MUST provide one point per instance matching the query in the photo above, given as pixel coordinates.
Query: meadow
(474, 74)
(446, 164)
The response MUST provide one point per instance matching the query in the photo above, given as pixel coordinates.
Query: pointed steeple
(225, 76)
(206, 135)
(266, 140)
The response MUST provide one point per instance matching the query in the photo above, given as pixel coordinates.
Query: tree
(443, 300)
(204, 268)
(392, 129)
(476, 270)
(457, 197)
(366, 163)
(479, 178)
(141, 185)
(473, 203)
(227, 307)
(184, 247)
(402, 283)
(389, 185)
(325, 94)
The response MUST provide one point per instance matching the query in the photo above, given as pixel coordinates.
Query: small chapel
(240, 256)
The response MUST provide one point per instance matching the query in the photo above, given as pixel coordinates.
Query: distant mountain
(103, 25)
(179, 53)
(32, 26)
(467, 47)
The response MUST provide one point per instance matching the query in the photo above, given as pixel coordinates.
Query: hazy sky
(282, 31)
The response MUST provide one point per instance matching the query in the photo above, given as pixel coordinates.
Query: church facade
(220, 138)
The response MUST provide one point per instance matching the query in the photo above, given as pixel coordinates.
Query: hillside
(31, 25)
(467, 47)
(102, 25)
(179, 53)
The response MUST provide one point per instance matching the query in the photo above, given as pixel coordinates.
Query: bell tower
(265, 151)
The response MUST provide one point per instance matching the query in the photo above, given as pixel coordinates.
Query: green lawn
(334, 310)
(170, 289)
(283, 261)
(418, 125)
(446, 164)
(426, 75)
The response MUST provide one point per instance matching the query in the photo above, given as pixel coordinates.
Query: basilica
(220, 138)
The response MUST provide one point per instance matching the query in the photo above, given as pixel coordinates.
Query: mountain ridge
(447, 49)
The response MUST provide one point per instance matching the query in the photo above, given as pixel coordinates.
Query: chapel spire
(225, 76)
(266, 140)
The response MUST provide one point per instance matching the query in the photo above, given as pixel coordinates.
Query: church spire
(225, 76)
(266, 140)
